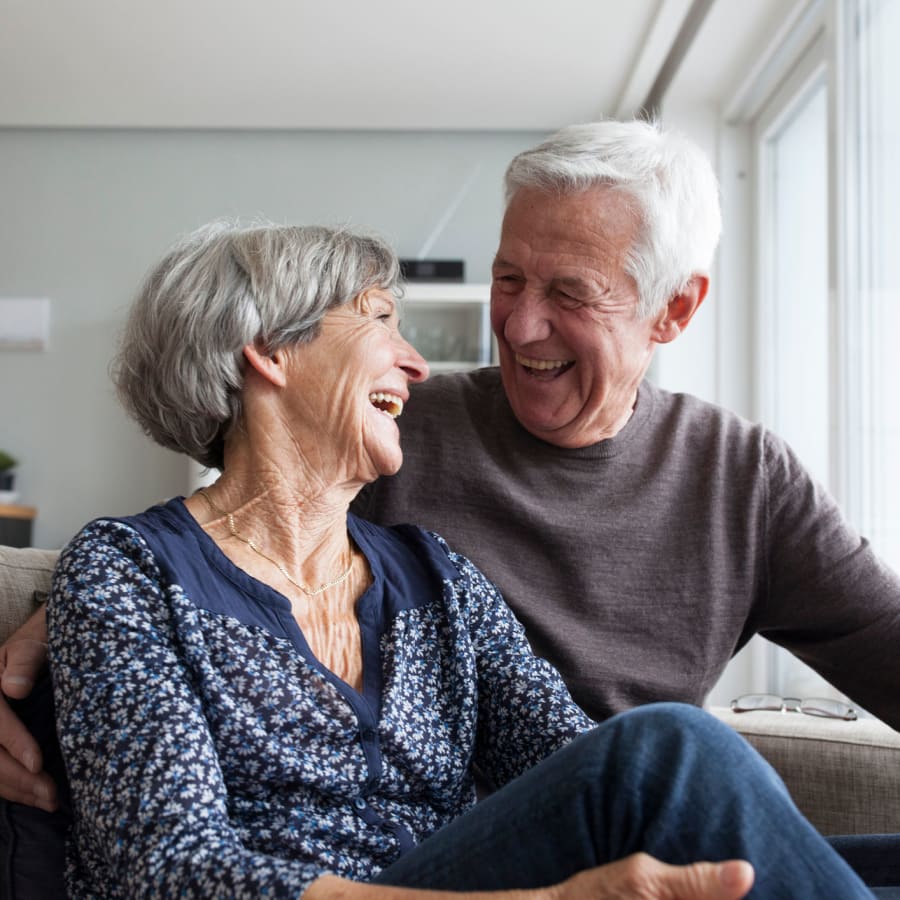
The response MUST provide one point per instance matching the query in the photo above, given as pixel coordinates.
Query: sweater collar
(605, 449)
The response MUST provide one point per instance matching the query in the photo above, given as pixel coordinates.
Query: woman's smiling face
(351, 382)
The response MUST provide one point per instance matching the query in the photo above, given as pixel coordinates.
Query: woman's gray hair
(670, 179)
(179, 371)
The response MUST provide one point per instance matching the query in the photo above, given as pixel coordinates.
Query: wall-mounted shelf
(449, 324)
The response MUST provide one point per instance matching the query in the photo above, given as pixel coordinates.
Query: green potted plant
(7, 476)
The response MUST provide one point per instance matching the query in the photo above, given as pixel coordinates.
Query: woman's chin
(393, 467)
(383, 461)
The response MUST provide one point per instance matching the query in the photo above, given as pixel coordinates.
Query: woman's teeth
(390, 404)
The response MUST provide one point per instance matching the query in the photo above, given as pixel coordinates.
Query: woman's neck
(262, 516)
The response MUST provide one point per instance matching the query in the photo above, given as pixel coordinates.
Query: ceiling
(365, 64)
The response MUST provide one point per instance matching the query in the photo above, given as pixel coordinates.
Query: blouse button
(359, 803)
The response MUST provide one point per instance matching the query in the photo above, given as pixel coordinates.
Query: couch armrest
(22, 572)
(844, 776)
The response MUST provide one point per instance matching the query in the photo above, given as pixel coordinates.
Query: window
(869, 306)
(794, 335)
(794, 328)
(828, 274)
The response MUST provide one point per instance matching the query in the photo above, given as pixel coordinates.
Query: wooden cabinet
(15, 525)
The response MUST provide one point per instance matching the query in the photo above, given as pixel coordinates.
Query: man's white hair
(669, 177)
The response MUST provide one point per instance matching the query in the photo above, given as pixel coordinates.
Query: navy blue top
(210, 753)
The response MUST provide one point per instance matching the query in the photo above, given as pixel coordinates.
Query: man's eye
(567, 301)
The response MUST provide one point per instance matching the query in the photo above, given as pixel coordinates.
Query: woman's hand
(637, 877)
(22, 659)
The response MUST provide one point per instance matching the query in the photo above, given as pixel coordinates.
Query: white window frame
(808, 75)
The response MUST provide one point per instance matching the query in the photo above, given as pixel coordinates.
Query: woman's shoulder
(419, 553)
(403, 546)
(116, 545)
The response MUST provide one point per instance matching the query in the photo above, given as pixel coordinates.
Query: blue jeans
(666, 779)
(876, 857)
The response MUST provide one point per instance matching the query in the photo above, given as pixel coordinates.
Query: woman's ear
(680, 310)
(270, 366)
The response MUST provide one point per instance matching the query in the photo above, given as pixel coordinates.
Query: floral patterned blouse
(210, 754)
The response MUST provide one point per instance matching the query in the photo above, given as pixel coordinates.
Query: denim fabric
(32, 853)
(666, 779)
(32, 842)
(875, 856)
(663, 775)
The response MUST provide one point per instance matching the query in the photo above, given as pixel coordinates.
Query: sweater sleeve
(525, 711)
(150, 804)
(829, 599)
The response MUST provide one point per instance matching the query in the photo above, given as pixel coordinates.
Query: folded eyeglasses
(815, 706)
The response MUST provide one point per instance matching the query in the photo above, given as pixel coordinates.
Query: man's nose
(528, 320)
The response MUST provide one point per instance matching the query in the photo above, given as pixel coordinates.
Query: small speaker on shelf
(449, 270)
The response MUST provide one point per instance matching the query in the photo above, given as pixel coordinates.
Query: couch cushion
(22, 572)
(844, 776)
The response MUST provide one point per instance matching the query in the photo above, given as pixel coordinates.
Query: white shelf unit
(449, 324)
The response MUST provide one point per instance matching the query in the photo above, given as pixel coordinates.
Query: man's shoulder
(700, 433)
(475, 385)
(691, 412)
(453, 401)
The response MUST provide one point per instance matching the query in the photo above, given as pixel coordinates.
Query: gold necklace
(236, 534)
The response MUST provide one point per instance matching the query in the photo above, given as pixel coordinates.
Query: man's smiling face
(572, 348)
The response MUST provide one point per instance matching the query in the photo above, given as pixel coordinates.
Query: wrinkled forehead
(598, 224)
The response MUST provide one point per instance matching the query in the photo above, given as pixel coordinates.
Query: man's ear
(270, 365)
(680, 310)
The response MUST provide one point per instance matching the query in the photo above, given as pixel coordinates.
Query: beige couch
(844, 776)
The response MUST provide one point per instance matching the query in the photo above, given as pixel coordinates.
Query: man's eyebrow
(573, 281)
(500, 261)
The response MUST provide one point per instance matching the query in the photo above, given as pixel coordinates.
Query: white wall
(87, 212)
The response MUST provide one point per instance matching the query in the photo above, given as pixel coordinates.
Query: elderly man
(642, 537)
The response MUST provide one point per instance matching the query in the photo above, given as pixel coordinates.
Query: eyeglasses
(816, 706)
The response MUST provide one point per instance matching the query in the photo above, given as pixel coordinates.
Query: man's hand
(637, 877)
(22, 659)
(641, 877)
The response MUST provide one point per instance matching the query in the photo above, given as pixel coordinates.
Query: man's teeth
(390, 404)
(542, 364)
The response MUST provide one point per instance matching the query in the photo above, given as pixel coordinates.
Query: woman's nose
(413, 363)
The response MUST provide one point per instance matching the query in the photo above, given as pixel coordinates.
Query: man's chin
(541, 426)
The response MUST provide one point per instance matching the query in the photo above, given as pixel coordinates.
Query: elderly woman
(258, 694)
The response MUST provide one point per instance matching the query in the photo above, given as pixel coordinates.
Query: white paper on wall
(24, 323)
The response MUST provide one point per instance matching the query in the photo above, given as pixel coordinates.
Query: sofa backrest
(24, 572)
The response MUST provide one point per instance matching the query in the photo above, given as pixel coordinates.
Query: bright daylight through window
(828, 182)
